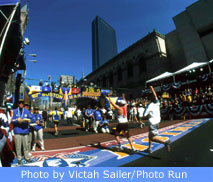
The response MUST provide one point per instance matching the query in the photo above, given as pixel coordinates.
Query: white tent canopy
(191, 66)
(187, 68)
(164, 75)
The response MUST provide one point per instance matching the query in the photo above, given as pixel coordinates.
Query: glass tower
(104, 45)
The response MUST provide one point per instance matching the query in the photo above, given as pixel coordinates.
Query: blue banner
(108, 174)
(46, 89)
(105, 92)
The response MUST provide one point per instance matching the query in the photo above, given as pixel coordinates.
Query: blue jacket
(89, 112)
(36, 117)
(23, 127)
(105, 122)
(97, 115)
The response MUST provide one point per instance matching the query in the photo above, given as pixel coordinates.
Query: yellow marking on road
(137, 146)
(170, 133)
(145, 140)
(120, 155)
(162, 138)
(191, 124)
(181, 129)
(198, 122)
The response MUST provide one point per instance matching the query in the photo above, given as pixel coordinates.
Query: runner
(38, 129)
(121, 106)
(56, 118)
(45, 116)
(153, 112)
(140, 115)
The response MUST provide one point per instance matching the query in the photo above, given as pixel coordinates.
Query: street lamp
(33, 55)
(34, 61)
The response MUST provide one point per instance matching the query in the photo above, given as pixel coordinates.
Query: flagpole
(7, 29)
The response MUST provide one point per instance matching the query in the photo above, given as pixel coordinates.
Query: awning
(191, 66)
(8, 2)
(162, 76)
(185, 69)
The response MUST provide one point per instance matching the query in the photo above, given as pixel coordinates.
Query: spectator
(104, 124)
(89, 118)
(21, 118)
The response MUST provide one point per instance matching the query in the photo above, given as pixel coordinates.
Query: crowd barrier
(195, 111)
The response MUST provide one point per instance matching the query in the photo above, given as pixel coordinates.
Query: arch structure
(34, 92)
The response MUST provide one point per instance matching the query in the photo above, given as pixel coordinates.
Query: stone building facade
(192, 41)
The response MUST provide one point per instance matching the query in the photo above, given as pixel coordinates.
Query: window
(142, 63)
(104, 81)
(130, 69)
(111, 78)
(119, 72)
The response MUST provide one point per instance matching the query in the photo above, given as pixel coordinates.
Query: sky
(60, 31)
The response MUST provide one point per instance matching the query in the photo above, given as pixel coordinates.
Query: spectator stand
(187, 93)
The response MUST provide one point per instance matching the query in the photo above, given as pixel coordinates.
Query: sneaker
(96, 131)
(120, 147)
(33, 150)
(141, 126)
(148, 150)
(167, 145)
(43, 149)
(29, 160)
(30, 154)
(134, 150)
(56, 133)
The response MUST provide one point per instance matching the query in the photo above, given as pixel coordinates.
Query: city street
(187, 148)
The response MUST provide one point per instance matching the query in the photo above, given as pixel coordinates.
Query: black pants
(69, 121)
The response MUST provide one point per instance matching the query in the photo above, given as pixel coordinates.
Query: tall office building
(104, 45)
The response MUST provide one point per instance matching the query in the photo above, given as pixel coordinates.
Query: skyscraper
(104, 45)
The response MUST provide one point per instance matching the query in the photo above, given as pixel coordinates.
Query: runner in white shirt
(153, 113)
(68, 115)
(141, 110)
(121, 106)
(135, 112)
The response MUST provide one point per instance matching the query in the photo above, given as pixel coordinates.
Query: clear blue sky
(60, 30)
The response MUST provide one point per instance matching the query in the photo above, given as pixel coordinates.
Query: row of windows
(130, 73)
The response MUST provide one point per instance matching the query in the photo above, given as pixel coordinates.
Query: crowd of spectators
(189, 97)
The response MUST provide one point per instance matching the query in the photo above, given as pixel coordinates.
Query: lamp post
(24, 74)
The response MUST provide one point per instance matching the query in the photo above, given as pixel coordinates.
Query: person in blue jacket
(98, 118)
(89, 118)
(20, 120)
(38, 123)
(104, 124)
